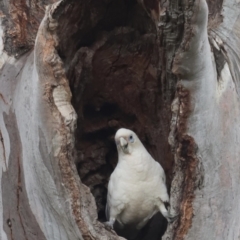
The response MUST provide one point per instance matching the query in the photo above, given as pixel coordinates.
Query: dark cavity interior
(111, 55)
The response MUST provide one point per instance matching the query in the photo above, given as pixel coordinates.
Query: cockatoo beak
(123, 143)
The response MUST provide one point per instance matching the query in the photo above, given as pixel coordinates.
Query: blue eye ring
(131, 139)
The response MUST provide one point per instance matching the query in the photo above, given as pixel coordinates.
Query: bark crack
(19, 188)
(4, 151)
(2, 97)
(115, 61)
(9, 223)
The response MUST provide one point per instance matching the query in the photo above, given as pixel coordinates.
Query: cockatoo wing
(159, 180)
(116, 199)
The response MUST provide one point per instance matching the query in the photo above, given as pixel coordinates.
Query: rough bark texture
(170, 72)
(207, 129)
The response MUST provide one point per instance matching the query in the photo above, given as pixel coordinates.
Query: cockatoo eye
(131, 139)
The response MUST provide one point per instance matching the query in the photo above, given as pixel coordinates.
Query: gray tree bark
(74, 72)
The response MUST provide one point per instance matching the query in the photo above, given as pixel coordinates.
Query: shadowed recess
(112, 63)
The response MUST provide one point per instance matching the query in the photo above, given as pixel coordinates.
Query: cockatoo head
(126, 141)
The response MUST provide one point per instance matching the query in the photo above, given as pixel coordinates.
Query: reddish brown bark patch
(186, 163)
(21, 19)
(189, 163)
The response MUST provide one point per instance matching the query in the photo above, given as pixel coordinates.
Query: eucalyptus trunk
(73, 72)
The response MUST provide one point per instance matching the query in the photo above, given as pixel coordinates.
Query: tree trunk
(75, 72)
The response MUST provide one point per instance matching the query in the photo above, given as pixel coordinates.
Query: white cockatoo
(137, 187)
